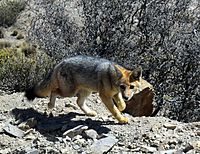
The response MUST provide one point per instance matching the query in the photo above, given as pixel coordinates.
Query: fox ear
(136, 74)
(118, 70)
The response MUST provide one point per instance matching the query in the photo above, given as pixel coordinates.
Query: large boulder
(142, 103)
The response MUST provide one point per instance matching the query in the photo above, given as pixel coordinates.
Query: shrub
(9, 10)
(4, 44)
(17, 72)
(162, 36)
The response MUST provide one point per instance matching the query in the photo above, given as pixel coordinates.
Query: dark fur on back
(30, 94)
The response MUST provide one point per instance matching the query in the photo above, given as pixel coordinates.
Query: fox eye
(123, 87)
(131, 86)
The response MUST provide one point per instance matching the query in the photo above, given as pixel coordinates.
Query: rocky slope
(26, 127)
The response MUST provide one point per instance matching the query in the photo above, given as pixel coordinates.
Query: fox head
(129, 82)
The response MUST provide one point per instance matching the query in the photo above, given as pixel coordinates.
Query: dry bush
(9, 10)
(17, 72)
(162, 36)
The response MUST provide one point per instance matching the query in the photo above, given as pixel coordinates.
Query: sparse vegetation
(4, 44)
(9, 10)
(29, 50)
(162, 36)
(17, 70)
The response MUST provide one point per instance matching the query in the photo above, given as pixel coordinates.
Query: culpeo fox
(81, 75)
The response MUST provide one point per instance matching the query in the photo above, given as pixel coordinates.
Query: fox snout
(127, 91)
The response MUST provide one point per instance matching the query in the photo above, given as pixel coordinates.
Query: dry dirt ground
(26, 127)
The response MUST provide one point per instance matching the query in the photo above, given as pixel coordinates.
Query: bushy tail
(40, 90)
(30, 94)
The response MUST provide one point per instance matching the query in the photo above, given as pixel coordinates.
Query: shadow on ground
(52, 125)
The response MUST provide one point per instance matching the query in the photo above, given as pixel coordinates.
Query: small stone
(7, 150)
(171, 152)
(120, 144)
(30, 137)
(23, 126)
(91, 133)
(31, 122)
(32, 151)
(196, 145)
(132, 146)
(77, 137)
(80, 141)
(173, 142)
(155, 143)
(13, 130)
(169, 126)
(188, 148)
(148, 149)
(103, 145)
(136, 149)
(198, 132)
(76, 147)
(65, 151)
(75, 131)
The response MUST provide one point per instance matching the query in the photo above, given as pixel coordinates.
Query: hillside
(161, 36)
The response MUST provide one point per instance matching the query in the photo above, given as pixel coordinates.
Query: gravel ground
(27, 127)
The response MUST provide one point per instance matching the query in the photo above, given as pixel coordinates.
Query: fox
(82, 75)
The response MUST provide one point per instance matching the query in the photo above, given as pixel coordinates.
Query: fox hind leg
(51, 103)
(82, 95)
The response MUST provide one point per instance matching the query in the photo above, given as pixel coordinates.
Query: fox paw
(123, 120)
(91, 113)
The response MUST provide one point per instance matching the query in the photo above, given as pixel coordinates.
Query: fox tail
(40, 90)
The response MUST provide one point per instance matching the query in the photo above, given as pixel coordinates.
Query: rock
(32, 151)
(30, 137)
(30, 123)
(5, 151)
(173, 141)
(103, 145)
(75, 131)
(142, 103)
(170, 126)
(13, 130)
(198, 133)
(148, 149)
(173, 151)
(120, 144)
(2, 118)
(91, 133)
(65, 151)
(196, 145)
(23, 126)
(188, 148)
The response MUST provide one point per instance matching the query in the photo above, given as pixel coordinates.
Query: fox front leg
(113, 109)
(121, 105)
